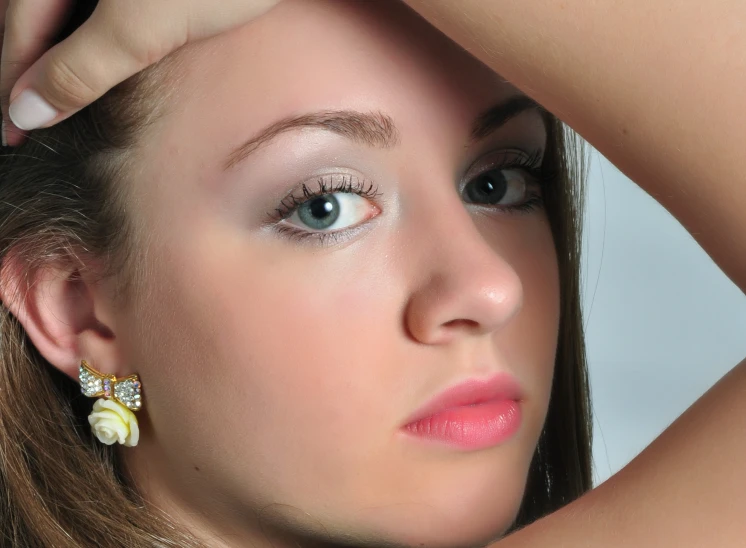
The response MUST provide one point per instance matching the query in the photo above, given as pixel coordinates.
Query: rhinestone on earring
(126, 391)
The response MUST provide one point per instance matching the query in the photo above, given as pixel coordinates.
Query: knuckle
(66, 89)
(140, 51)
(140, 48)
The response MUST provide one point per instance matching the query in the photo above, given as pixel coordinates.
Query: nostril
(469, 324)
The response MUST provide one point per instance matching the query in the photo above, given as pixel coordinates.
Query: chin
(403, 528)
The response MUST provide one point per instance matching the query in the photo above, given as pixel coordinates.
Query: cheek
(529, 342)
(278, 358)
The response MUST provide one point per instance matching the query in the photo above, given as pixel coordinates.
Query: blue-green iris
(320, 213)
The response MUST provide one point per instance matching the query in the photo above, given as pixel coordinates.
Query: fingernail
(2, 134)
(29, 111)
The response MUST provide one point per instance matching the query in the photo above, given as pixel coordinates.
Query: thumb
(75, 73)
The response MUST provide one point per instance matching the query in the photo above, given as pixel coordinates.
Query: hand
(39, 88)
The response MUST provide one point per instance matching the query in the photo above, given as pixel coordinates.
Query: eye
(505, 187)
(335, 211)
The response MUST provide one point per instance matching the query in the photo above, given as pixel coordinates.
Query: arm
(658, 88)
(685, 490)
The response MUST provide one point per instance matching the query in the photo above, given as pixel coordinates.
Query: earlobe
(56, 307)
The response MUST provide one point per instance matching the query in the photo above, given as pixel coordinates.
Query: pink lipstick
(475, 414)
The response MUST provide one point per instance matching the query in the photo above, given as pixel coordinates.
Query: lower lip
(470, 427)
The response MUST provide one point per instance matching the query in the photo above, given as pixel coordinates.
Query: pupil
(487, 188)
(321, 208)
(320, 213)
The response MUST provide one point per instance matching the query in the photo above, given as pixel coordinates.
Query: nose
(466, 287)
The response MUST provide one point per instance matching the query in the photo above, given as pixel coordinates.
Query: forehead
(315, 55)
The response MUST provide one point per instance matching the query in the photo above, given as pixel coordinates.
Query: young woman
(320, 242)
(324, 342)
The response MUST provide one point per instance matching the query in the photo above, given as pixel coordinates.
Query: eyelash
(351, 185)
(531, 164)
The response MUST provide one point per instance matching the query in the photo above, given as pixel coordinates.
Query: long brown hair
(561, 469)
(61, 197)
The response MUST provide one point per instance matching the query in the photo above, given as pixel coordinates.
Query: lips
(499, 387)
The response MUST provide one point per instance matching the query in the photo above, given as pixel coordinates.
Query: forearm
(657, 87)
(685, 490)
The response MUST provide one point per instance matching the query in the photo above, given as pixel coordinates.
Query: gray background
(663, 323)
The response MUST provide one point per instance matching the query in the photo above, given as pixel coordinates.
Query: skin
(621, 75)
(278, 373)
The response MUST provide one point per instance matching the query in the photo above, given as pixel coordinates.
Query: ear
(66, 313)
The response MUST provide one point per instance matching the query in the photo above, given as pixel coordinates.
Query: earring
(112, 419)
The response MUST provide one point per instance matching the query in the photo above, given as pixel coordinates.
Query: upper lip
(501, 386)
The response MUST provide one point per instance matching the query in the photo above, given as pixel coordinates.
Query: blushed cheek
(319, 353)
(301, 342)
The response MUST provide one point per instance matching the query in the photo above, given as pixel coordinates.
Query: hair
(62, 198)
(561, 468)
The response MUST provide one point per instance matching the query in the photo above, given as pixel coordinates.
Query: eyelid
(502, 158)
(331, 172)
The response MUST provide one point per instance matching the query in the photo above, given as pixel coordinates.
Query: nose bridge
(465, 285)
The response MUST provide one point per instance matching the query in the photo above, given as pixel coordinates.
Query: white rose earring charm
(112, 419)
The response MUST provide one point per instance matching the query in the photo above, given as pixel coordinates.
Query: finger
(29, 25)
(77, 71)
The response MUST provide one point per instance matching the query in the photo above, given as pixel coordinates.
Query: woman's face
(283, 349)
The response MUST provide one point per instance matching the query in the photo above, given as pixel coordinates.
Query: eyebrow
(375, 129)
(500, 114)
